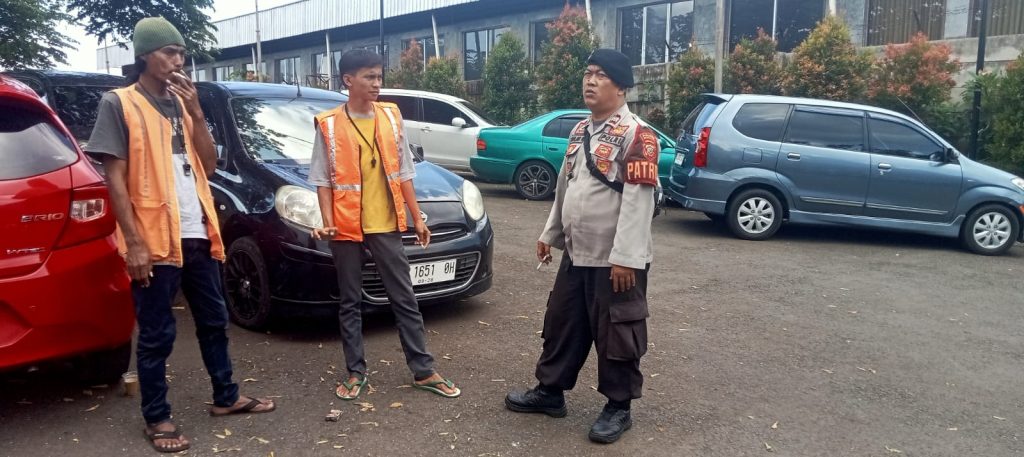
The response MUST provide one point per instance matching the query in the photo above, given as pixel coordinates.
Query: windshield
(479, 112)
(278, 129)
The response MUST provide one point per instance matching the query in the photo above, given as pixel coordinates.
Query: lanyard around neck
(375, 147)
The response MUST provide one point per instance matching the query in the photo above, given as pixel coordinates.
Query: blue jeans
(199, 279)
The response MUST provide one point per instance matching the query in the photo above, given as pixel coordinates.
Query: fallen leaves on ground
(93, 408)
(892, 450)
(775, 425)
(483, 323)
(250, 380)
(365, 406)
(395, 405)
(768, 447)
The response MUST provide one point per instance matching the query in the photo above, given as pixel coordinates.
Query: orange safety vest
(151, 180)
(342, 144)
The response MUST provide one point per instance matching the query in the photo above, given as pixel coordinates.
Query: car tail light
(700, 154)
(90, 216)
(480, 144)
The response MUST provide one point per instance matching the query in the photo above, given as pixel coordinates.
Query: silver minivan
(755, 161)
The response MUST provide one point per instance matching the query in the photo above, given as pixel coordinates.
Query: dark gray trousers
(583, 311)
(393, 267)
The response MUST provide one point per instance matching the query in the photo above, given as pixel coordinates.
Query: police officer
(601, 219)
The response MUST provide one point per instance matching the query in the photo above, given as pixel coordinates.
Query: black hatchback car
(264, 135)
(75, 96)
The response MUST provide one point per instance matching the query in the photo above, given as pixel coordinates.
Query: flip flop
(432, 387)
(168, 435)
(248, 408)
(352, 394)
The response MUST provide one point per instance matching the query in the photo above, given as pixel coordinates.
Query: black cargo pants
(583, 310)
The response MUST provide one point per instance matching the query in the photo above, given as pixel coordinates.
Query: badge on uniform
(603, 151)
(642, 159)
(573, 147)
(650, 143)
(603, 165)
(619, 130)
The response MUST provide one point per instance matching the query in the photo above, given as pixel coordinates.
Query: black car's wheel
(535, 180)
(990, 230)
(246, 285)
(104, 367)
(754, 214)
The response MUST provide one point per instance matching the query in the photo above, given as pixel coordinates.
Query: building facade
(301, 42)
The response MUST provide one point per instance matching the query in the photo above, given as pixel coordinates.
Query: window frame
(423, 47)
(491, 41)
(227, 74)
(279, 74)
(667, 54)
(895, 120)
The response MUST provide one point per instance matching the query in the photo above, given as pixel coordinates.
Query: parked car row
(757, 161)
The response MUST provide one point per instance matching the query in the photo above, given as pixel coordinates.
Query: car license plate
(680, 158)
(429, 273)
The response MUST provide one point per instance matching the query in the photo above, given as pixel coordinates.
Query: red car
(64, 291)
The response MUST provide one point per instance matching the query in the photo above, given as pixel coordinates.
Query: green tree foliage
(115, 19)
(507, 81)
(753, 68)
(409, 74)
(29, 33)
(1003, 118)
(559, 73)
(442, 76)
(691, 76)
(827, 65)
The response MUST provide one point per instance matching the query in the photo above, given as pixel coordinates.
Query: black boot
(537, 400)
(610, 425)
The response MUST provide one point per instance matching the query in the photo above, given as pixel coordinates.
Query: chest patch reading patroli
(642, 158)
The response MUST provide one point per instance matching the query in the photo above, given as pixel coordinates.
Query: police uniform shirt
(596, 225)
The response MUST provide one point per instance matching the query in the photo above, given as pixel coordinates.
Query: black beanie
(615, 64)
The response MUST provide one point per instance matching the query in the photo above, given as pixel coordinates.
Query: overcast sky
(84, 58)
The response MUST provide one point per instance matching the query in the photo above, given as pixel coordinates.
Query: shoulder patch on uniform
(642, 158)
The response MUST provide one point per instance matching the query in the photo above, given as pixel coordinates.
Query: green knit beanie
(153, 33)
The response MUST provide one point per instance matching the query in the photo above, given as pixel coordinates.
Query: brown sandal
(168, 435)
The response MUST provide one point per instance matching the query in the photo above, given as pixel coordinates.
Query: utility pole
(719, 44)
(976, 105)
(259, 48)
(382, 53)
(590, 18)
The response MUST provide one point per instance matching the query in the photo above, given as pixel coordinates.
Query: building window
(250, 75)
(427, 46)
(1006, 17)
(657, 33)
(896, 21)
(201, 75)
(318, 64)
(288, 70)
(539, 38)
(223, 73)
(788, 21)
(478, 45)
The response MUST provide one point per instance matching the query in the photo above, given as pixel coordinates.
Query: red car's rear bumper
(79, 301)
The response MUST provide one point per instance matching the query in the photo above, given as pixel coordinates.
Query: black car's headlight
(472, 200)
(298, 205)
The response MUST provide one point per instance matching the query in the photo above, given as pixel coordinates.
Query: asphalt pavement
(818, 342)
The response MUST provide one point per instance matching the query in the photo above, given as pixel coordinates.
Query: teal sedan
(530, 154)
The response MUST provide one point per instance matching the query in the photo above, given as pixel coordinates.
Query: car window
(568, 124)
(409, 106)
(30, 145)
(699, 116)
(33, 83)
(77, 107)
(479, 112)
(900, 140)
(438, 112)
(826, 130)
(762, 121)
(554, 129)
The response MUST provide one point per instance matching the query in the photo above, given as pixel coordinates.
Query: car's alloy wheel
(755, 214)
(246, 285)
(990, 230)
(535, 180)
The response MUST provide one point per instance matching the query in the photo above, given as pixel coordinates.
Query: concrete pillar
(854, 13)
(958, 19)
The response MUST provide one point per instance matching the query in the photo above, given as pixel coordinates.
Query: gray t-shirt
(110, 137)
(320, 175)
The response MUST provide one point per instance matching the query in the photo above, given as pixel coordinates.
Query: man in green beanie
(158, 154)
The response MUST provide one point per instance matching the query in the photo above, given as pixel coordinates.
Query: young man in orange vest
(157, 163)
(363, 169)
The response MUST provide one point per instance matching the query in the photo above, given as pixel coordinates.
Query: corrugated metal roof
(299, 18)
